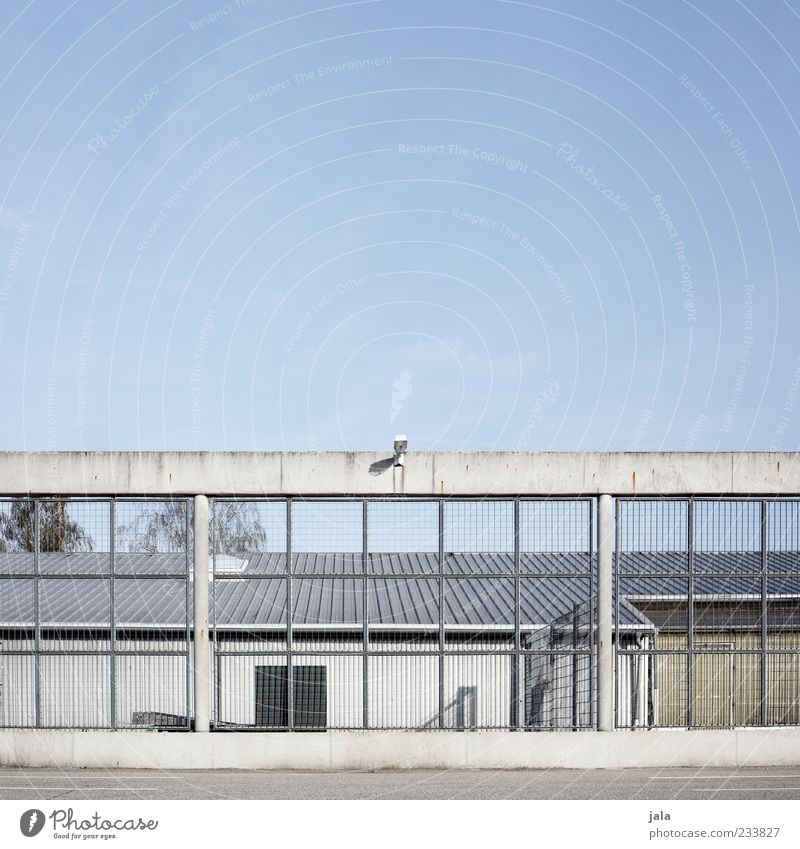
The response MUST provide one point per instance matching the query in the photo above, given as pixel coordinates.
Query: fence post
(201, 669)
(605, 625)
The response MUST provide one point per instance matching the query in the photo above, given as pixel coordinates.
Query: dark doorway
(309, 696)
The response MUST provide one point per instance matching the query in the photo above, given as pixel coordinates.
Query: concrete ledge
(425, 473)
(362, 750)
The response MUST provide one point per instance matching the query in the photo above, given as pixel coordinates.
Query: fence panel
(406, 612)
(716, 583)
(94, 613)
(421, 613)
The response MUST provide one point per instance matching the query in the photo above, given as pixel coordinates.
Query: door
(309, 696)
(712, 702)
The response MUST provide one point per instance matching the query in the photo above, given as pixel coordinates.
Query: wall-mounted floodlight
(400, 448)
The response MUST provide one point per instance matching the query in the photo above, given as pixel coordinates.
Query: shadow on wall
(463, 709)
(381, 466)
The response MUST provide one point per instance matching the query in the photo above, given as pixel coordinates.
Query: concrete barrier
(425, 473)
(362, 750)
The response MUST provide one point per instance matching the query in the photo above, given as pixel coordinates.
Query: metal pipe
(605, 626)
(575, 670)
(289, 619)
(517, 680)
(201, 671)
(37, 681)
(441, 612)
(112, 610)
(365, 615)
(188, 601)
(592, 615)
(763, 683)
(690, 542)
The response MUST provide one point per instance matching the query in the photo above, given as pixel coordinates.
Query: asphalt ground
(645, 784)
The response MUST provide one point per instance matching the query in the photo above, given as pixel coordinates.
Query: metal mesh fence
(399, 613)
(94, 613)
(404, 613)
(707, 612)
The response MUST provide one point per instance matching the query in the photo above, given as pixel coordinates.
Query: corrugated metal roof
(92, 563)
(414, 563)
(393, 600)
(636, 562)
(249, 602)
(708, 585)
(713, 562)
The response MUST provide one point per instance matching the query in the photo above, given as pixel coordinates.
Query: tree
(148, 527)
(237, 529)
(57, 531)
(153, 527)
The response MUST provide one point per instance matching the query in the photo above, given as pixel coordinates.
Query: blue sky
(489, 225)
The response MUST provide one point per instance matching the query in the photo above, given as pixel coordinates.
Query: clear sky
(488, 225)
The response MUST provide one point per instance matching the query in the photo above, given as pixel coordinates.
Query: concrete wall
(343, 473)
(341, 750)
